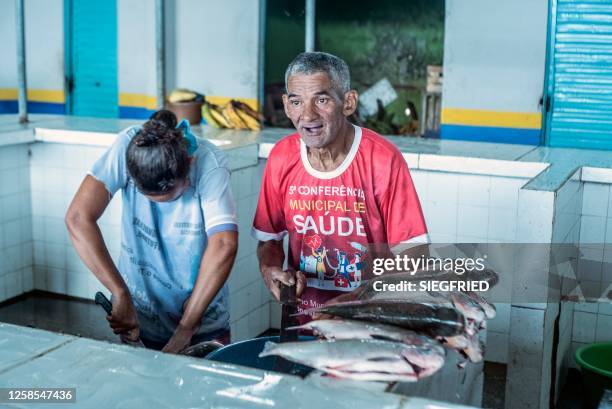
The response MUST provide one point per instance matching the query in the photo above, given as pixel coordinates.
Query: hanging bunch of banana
(233, 115)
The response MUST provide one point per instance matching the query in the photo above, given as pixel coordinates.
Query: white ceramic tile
(54, 204)
(55, 230)
(11, 207)
(472, 221)
(74, 263)
(55, 255)
(27, 277)
(584, 326)
(501, 322)
(589, 307)
(12, 233)
(441, 218)
(502, 224)
(239, 304)
(535, 213)
(38, 228)
(604, 328)
(40, 278)
(56, 280)
(608, 235)
(592, 230)
(497, 347)
(12, 283)
(605, 308)
(77, 284)
(504, 192)
(38, 204)
(10, 181)
(443, 187)
(590, 264)
(39, 253)
(474, 190)
(595, 199)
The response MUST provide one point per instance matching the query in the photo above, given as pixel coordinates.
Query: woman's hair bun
(165, 116)
(160, 128)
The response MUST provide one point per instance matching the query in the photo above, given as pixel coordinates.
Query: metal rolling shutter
(581, 77)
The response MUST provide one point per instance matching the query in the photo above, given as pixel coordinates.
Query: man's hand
(123, 319)
(180, 340)
(273, 276)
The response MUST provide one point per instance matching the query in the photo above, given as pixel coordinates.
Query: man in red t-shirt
(336, 189)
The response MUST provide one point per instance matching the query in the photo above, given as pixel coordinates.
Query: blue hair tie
(191, 139)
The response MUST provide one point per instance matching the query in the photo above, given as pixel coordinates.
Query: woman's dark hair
(157, 158)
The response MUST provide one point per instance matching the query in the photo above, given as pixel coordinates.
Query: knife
(289, 306)
(101, 299)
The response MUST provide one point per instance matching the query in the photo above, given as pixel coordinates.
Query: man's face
(315, 108)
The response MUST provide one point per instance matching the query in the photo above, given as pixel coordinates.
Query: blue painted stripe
(46, 108)
(8, 107)
(491, 134)
(221, 227)
(34, 107)
(135, 112)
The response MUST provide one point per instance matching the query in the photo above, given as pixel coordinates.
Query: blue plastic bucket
(246, 353)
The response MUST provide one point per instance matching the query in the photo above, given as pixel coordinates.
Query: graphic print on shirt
(330, 220)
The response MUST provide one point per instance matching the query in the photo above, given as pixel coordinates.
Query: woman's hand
(180, 340)
(123, 319)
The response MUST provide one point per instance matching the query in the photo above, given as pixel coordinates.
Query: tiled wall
(593, 321)
(56, 173)
(15, 222)
(463, 208)
(566, 234)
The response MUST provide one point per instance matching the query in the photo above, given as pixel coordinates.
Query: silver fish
(371, 360)
(423, 352)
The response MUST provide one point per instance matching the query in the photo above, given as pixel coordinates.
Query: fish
(421, 352)
(488, 308)
(357, 359)
(428, 319)
(468, 345)
(468, 306)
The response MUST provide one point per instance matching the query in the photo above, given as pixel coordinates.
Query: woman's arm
(86, 208)
(214, 270)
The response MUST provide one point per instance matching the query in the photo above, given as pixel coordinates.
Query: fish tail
(296, 327)
(268, 349)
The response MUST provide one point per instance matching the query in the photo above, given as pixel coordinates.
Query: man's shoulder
(379, 144)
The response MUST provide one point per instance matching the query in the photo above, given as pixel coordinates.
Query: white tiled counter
(116, 376)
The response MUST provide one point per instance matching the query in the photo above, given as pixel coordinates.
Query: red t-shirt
(333, 218)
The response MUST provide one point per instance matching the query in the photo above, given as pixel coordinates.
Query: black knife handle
(287, 294)
(104, 302)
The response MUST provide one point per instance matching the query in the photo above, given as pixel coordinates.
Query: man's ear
(286, 104)
(351, 99)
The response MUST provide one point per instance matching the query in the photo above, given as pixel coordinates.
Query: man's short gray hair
(314, 62)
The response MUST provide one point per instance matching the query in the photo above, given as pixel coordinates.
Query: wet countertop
(121, 376)
(546, 168)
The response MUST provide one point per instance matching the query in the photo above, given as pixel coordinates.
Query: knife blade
(105, 303)
(288, 307)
